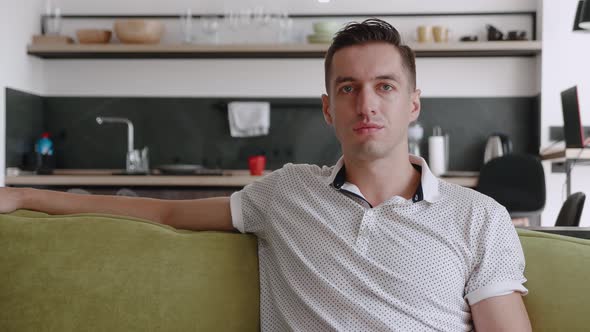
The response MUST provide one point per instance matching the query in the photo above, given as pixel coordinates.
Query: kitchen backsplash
(196, 130)
(24, 123)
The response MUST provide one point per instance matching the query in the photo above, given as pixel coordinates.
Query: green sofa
(92, 272)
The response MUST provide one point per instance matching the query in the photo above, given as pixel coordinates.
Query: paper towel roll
(437, 155)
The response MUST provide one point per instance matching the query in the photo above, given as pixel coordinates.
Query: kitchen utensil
(186, 22)
(469, 38)
(497, 145)
(319, 39)
(256, 164)
(415, 134)
(93, 36)
(438, 152)
(179, 169)
(51, 39)
(440, 34)
(516, 35)
(423, 34)
(139, 31)
(326, 27)
(494, 33)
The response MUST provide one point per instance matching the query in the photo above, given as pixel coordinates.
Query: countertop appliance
(497, 145)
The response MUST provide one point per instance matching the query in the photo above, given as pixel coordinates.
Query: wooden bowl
(139, 31)
(93, 36)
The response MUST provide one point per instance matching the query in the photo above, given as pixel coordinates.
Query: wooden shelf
(560, 155)
(187, 51)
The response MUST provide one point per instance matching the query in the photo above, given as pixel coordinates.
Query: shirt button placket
(364, 232)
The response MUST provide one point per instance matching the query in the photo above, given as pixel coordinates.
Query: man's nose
(366, 102)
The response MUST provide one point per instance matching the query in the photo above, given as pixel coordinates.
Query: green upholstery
(91, 272)
(558, 273)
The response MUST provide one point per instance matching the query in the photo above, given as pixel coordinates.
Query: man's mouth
(367, 128)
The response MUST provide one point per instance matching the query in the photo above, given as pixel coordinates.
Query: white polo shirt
(330, 261)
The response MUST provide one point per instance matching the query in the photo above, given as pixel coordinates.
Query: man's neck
(380, 179)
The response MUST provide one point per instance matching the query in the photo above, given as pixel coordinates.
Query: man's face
(370, 102)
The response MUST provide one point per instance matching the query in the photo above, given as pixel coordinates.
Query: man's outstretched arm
(501, 313)
(197, 214)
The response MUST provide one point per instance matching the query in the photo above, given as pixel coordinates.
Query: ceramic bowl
(93, 36)
(139, 31)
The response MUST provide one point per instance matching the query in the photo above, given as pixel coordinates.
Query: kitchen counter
(230, 178)
(105, 177)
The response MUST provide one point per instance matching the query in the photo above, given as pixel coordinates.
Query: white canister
(437, 152)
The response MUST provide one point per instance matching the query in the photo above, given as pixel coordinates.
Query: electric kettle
(498, 145)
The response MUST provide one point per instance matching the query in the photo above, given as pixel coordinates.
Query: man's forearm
(197, 214)
(55, 202)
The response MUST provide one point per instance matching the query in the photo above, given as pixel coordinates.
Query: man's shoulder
(307, 170)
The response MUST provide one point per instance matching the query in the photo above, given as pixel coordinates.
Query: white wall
(450, 77)
(18, 22)
(565, 63)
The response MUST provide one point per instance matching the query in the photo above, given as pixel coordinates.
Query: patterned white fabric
(328, 261)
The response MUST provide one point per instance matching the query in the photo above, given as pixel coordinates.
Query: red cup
(256, 164)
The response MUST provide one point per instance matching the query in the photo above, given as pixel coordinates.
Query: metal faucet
(137, 161)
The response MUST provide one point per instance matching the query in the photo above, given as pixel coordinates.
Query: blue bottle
(44, 145)
(44, 152)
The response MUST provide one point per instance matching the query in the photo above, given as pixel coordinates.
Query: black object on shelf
(582, 16)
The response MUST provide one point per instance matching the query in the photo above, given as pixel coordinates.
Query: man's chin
(370, 151)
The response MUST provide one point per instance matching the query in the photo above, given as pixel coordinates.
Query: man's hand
(10, 199)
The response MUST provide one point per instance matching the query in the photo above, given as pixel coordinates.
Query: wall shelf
(188, 51)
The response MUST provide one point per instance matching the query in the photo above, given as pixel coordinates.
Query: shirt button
(370, 213)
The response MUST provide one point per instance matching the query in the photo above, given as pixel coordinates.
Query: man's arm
(198, 214)
(501, 313)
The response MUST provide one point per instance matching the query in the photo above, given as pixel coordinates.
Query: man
(375, 242)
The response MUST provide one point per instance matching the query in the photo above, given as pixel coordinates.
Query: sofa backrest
(92, 272)
(558, 273)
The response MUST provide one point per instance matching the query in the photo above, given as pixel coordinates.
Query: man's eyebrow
(391, 77)
(341, 79)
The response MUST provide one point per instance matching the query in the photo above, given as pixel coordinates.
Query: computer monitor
(573, 132)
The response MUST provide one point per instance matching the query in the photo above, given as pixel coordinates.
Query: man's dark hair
(369, 31)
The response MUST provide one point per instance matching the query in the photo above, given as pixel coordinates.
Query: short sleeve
(250, 207)
(498, 261)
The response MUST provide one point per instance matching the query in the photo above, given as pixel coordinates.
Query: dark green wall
(195, 130)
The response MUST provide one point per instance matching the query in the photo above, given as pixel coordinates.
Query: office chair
(517, 181)
(571, 210)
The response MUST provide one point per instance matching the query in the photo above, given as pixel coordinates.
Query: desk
(579, 232)
(569, 157)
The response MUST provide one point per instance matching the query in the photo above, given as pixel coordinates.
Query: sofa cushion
(93, 272)
(558, 270)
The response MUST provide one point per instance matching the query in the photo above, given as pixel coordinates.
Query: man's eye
(346, 89)
(387, 87)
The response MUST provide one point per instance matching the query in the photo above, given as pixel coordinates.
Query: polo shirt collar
(428, 182)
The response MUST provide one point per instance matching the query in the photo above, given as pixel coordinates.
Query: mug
(423, 34)
(440, 34)
(257, 164)
(516, 35)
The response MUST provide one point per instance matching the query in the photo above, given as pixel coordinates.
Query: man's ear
(326, 109)
(416, 106)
